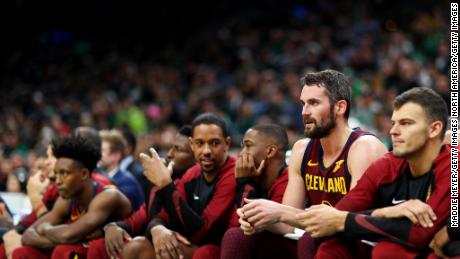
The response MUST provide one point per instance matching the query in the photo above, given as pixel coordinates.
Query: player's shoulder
(110, 193)
(300, 145)
(368, 142)
(229, 164)
(111, 200)
(298, 150)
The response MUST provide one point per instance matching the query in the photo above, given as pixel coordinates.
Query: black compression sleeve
(178, 210)
(361, 226)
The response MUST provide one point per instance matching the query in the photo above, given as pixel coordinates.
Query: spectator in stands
(129, 162)
(113, 146)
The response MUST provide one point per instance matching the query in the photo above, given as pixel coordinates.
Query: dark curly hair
(79, 149)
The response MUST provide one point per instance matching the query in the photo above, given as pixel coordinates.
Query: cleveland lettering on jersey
(321, 183)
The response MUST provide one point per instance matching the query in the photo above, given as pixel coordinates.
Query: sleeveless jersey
(327, 185)
(75, 212)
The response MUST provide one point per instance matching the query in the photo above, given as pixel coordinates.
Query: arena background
(152, 67)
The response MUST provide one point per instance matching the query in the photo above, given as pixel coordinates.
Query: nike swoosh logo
(394, 201)
(310, 163)
(196, 197)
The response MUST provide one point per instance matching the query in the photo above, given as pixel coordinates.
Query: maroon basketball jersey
(327, 185)
(75, 212)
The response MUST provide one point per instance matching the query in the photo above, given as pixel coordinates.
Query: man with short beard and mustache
(196, 209)
(403, 199)
(324, 166)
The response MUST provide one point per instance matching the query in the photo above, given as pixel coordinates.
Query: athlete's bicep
(294, 195)
(363, 152)
(108, 202)
(104, 205)
(56, 215)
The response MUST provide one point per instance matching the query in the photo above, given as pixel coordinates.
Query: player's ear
(85, 173)
(228, 142)
(272, 150)
(341, 107)
(436, 128)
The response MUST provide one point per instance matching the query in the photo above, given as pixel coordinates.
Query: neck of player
(269, 177)
(333, 144)
(420, 162)
(86, 195)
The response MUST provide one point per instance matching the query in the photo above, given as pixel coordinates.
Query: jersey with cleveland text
(327, 185)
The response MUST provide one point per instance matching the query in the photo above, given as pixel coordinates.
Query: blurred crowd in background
(245, 67)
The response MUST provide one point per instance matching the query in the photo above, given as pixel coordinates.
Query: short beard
(410, 154)
(324, 130)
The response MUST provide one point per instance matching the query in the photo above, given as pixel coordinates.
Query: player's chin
(397, 152)
(207, 168)
(207, 163)
(63, 194)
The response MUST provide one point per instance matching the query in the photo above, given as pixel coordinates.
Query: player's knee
(59, 251)
(207, 252)
(138, 249)
(324, 250)
(68, 251)
(386, 249)
(234, 235)
(97, 249)
(236, 244)
(306, 247)
(22, 252)
(333, 248)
